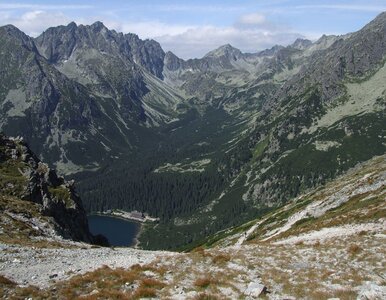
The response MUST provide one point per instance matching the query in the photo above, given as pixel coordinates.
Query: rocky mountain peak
(226, 50)
(270, 52)
(11, 32)
(98, 26)
(72, 25)
(324, 39)
(172, 62)
(301, 44)
(57, 44)
(380, 19)
(378, 25)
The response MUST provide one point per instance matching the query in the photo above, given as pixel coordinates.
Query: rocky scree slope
(35, 202)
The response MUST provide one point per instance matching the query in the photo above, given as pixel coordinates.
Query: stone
(255, 289)
(371, 291)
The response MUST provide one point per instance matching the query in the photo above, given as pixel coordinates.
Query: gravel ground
(42, 267)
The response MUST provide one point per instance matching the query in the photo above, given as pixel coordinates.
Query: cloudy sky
(192, 28)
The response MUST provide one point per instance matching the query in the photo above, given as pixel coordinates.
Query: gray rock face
(57, 45)
(301, 44)
(354, 56)
(56, 196)
(172, 62)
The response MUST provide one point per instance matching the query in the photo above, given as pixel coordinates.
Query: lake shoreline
(132, 216)
(112, 234)
(115, 216)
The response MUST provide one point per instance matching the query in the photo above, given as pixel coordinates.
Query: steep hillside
(37, 207)
(351, 200)
(327, 243)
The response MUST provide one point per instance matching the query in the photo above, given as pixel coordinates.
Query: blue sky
(192, 28)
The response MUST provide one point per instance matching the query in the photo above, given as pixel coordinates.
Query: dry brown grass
(155, 268)
(28, 292)
(354, 249)
(198, 250)
(110, 284)
(151, 282)
(326, 274)
(104, 294)
(144, 292)
(5, 281)
(221, 258)
(204, 282)
(316, 244)
(342, 294)
(205, 296)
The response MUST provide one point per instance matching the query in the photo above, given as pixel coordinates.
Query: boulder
(255, 289)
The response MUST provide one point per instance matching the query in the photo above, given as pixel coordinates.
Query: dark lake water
(119, 232)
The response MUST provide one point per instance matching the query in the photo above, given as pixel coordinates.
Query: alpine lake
(119, 232)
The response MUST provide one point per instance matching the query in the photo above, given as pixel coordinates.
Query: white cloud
(252, 19)
(355, 7)
(36, 21)
(251, 33)
(43, 6)
(149, 29)
(198, 41)
(196, 8)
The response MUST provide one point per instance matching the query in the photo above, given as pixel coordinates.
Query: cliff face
(24, 177)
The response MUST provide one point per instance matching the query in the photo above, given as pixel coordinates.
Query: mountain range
(203, 144)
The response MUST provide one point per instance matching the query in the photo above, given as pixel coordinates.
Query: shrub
(354, 249)
(221, 258)
(204, 282)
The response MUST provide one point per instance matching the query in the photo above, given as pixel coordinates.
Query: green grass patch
(61, 193)
(260, 147)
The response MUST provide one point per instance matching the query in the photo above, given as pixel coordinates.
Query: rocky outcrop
(40, 184)
(301, 44)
